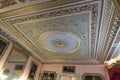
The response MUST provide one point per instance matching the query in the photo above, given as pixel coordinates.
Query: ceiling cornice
(41, 7)
(111, 26)
(108, 10)
(114, 27)
(14, 33)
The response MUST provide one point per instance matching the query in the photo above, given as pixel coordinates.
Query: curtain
(114, 73)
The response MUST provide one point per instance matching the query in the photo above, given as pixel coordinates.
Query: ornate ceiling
(55, 31)
(17, 56)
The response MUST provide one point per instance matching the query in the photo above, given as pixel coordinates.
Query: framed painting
(3, 46)
(32, 71)
(68, 69)
(19, 67)
(92, 76)
(48, 75)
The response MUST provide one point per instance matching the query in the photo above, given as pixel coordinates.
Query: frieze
(106, 17)
(85, 62)
(7, 3)
(36, 7)
(61, 13)
(113, 31)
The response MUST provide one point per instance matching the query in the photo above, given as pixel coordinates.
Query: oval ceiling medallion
(61, 42)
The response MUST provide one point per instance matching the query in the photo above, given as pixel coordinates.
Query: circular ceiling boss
(61, 42)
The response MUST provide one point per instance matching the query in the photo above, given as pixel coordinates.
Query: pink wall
(80, 69)
(12, 72)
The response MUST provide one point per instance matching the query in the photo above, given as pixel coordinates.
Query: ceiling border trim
(39, 6)
(106, 15)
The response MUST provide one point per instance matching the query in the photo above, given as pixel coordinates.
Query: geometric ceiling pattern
(73, 31)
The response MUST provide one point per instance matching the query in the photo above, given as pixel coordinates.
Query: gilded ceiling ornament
(60, 43)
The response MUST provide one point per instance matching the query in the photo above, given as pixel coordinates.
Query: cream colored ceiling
(88, 20)
(17, 56)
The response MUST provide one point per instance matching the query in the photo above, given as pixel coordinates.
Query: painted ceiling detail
(41, 5)
(7, 3)
(107, 12)
(60, 12)
(112, 33)
(60, 42)
(93, 8)
(116, 41)
(69, 23)
(80, 20)
(61, 32)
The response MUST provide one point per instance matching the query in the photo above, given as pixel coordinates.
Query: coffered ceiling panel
(77, 24)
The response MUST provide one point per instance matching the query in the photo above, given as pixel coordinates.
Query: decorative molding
(114, 47)
(23, 40)
(66, 42)
(60, 43)
(93, 8)
(14, 41)
(112, 63)
(7, 3)
(18, 44)
(117, 5)
(112, 33)
(83, 62)
(107, 12)
(38, 7)
(112, 24)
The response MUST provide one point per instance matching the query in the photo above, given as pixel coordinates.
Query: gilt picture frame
(48, 75)
(3, 46)
(33, 69)
(92, 76)
(69, 69)
(19, 67)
